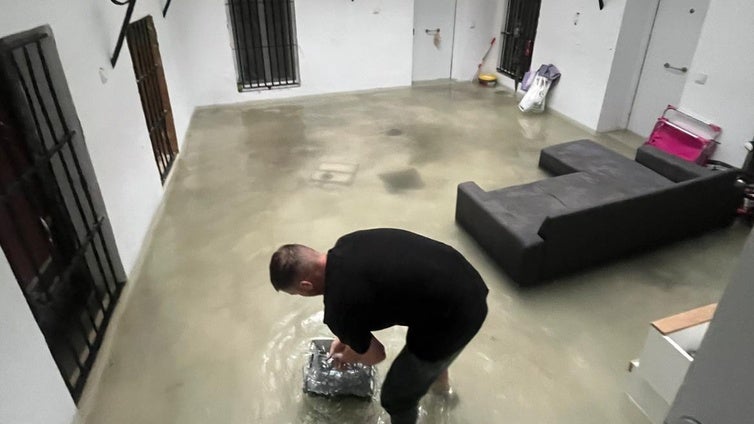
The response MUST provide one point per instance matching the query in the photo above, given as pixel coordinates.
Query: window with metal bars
(153, 90)
(53, 227)
(517, 38)
(264, 41)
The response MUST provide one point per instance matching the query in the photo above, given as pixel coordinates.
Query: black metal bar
(12, 43)
(148, 76)
(268, 78)
(77, 164)
(40, 162)
(162, 122)
(518, 37)
(237, 39)
(282, 44)
(107, 315)
(235, 8)
(165, 10)
(256, 23)
(152, 87)
(286, 24)
(150, 108)
(25, 247)
(160, 142)
(137, 60)
(252, 42)
(274, 43)
(66, 142)
(122, 35)
(24, 243)
(291, 41)
(43, 157)
(65, 275)
(40, 100)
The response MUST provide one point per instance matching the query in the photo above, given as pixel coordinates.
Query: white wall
(631, 46)
(477, 21)
(343, 46)
(31, 390)
(724, 53)
(583, 49)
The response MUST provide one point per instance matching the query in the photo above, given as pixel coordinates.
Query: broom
(479, 68)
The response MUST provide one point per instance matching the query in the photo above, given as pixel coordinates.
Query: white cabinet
(671, 343)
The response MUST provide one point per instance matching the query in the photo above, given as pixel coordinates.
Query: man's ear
(306, 286)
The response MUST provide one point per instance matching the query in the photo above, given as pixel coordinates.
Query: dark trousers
(408, 379)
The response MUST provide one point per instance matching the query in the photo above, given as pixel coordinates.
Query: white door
(434, 22)
(671, 48)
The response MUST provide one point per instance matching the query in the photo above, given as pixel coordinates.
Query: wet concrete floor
(203, 338)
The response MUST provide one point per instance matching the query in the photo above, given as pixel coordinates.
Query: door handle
(668, 66)
(432, 31)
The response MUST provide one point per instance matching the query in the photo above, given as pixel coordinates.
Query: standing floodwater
(283, 397)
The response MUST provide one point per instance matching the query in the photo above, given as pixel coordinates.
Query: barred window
(264, 41)
(517, 39)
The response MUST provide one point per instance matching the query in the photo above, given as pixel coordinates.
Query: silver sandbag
(323, 379)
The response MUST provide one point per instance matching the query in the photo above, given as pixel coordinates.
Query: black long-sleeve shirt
(378, 278)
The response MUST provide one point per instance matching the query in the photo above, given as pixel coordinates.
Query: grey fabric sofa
(600, 205)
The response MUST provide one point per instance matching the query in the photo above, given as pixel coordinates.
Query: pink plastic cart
(684, 136)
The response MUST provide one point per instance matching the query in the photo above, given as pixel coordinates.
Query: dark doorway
(153, 89)
(517, 38)
(53, 227)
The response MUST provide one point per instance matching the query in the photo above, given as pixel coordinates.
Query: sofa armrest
(520, 258)
(669, 166)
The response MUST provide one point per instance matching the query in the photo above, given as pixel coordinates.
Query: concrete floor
(203, 338)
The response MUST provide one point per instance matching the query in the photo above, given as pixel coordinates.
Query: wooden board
(685, 320)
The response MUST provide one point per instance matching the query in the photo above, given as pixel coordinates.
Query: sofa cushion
(669, 166)
(524, 207)
(588, 156)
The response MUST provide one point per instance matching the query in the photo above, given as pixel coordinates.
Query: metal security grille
(53, 227)
(264, 38)
(518, 37)
(153, 89)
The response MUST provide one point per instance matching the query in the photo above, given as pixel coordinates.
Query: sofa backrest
(574, 238)
(669, 166)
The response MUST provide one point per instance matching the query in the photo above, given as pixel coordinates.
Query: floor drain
(341, 173)
(405, 179)
(394, 132)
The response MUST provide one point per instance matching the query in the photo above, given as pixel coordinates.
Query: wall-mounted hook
(165, 10)
(126, 20)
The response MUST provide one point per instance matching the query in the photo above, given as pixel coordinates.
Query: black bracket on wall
(602, 4)
(165, 10)
(131, 4)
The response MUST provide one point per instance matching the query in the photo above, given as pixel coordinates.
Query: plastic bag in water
(322, 378)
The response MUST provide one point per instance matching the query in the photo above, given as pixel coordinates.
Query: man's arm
(341, 353)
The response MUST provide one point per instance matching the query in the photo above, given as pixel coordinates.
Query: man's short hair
(288, 265)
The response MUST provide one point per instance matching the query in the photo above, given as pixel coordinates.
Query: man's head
(298, 269)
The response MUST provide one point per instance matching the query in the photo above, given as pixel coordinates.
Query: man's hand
(337, 346)
(342, 354)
